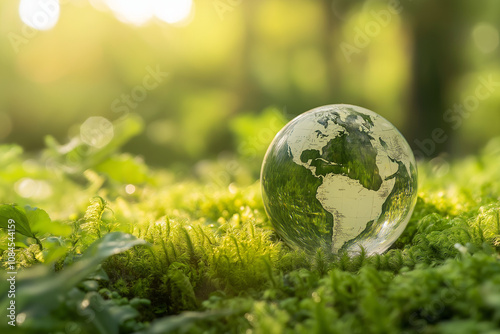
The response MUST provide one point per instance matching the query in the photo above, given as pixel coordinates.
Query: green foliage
(28, 223)
(214, 264)
(124, 169)
(76, 156)
(13, 213)
(255, 133)
(41, 295)
(234, 56)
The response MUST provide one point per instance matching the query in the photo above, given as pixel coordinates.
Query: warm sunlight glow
(172, 11)
(39, 14)
(135, 12)
(139, 12)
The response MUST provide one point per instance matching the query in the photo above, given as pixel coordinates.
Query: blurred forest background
(220, 77)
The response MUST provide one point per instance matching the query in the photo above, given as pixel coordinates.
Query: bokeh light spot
(139, 12)
(20, 318)
(130, 189)
(233, 189)
(132, 11)
(30, 188)
(97, 131)
(39, 14)
(485, 37)
(172, 11)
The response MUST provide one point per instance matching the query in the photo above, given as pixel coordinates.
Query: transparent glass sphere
(339, 177)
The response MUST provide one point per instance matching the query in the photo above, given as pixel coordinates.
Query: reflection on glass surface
(339, 177)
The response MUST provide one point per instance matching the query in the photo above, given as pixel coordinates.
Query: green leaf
(111, 244)
(40, 222)
(99, 275)
(43, 290)
(123, 313)
(76, 156)
(106, 320)
(12, 214)
(183, 321)
(124, 129)
(247, 127)
(9, 154)
(36, 216)
(125, 169)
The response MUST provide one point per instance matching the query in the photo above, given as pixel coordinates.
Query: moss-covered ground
(106, 244)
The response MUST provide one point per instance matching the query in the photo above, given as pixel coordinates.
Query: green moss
(214, 254)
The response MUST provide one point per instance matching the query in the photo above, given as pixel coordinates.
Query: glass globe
(339, 177)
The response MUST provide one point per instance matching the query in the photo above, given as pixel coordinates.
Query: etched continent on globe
(339, 177)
